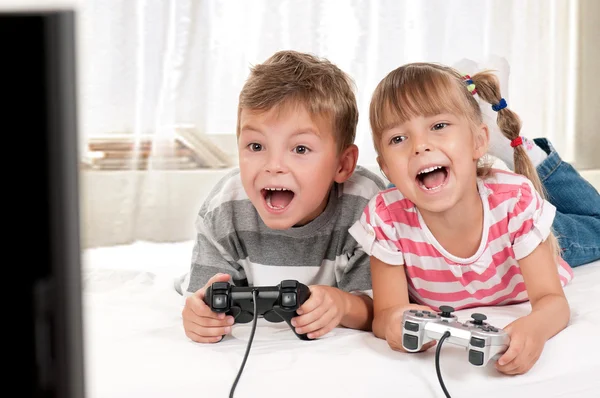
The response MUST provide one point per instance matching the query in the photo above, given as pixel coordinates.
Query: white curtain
(147, 65)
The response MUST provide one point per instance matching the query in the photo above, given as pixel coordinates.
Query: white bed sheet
(135, 345)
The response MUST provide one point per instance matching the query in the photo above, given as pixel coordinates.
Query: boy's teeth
(430, 169)
(271, 206)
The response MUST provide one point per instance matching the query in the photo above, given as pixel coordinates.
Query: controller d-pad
(432, 315)
(419, 314)
(413, 311)
(288, 299)
(493, 329)
(219, 301)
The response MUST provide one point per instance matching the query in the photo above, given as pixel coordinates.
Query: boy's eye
(255, 147)
(301, 149)
(397, 139)
(439, 126)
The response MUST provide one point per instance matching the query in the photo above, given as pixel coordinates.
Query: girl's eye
(397, 139)
(301, 150)
(255, 147)
(439, 126)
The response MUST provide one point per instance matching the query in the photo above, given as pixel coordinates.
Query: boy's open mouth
(432, 178)
(277, 198)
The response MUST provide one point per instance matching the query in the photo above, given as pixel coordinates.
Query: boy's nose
(275, 164)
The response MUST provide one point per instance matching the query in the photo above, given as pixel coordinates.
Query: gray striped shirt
(232, 238)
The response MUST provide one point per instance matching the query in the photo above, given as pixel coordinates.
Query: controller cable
(254, 320)
(437, 362)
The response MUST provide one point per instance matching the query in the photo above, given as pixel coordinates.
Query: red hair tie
(516, 142)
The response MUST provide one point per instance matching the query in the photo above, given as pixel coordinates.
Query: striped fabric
(516, 221)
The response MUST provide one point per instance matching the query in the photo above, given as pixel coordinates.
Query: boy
(286, 212)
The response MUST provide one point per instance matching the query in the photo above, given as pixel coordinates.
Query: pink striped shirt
(516, 221)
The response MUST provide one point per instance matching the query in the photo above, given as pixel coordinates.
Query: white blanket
(136, 347)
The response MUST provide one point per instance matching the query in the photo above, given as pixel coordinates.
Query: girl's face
(432, 160)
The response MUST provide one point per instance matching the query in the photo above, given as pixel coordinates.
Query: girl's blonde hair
(428, 89)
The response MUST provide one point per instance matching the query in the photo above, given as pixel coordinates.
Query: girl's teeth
(430, 189)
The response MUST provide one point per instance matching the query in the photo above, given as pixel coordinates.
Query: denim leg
(577, 202)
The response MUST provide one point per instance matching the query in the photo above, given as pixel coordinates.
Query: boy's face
(288, 162)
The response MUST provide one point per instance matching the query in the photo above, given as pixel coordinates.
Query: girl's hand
(526, 345)
(393, 330)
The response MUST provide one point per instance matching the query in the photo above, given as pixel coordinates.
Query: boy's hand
(393, 330)
(200, 323)
(322, 312)
(525, 347)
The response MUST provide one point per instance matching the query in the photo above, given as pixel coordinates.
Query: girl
(453, 231)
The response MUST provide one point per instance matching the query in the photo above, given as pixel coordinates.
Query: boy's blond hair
(295, 78)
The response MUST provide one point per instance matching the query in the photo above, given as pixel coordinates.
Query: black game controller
(274, 303)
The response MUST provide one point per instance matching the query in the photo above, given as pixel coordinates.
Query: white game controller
(483, 341)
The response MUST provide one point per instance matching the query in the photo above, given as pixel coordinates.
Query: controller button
(413, 311)
(220, 286)
(475, 342)
(413, 327)
(288, 284)
(432, 315)
(476, 357)
(419, 314)
(219, 301)
(288, 299)
(493, 329)
(410, 342)
(426, 312)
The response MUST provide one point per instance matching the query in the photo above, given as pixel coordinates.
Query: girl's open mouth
(432, 178)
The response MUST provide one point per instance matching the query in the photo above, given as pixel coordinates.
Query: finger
(511, 367)
(314, 301)
(201, 339)
(324, 330)
(427, 346)
(204, 331)
(309, 317)
(327, 316)
(204, 321)
(198, 306)
(526, 364)
(515, 347)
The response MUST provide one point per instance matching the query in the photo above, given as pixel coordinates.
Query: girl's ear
(481, 141)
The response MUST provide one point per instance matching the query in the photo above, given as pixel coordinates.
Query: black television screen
(41, 196)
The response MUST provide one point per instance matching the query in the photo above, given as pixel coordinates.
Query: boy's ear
(481, 142)
(348, 160)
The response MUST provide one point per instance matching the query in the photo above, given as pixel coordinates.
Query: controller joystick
(446, 311)
(478, 319)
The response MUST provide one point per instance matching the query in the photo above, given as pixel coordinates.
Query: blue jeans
(577, 202)
(577, 221)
